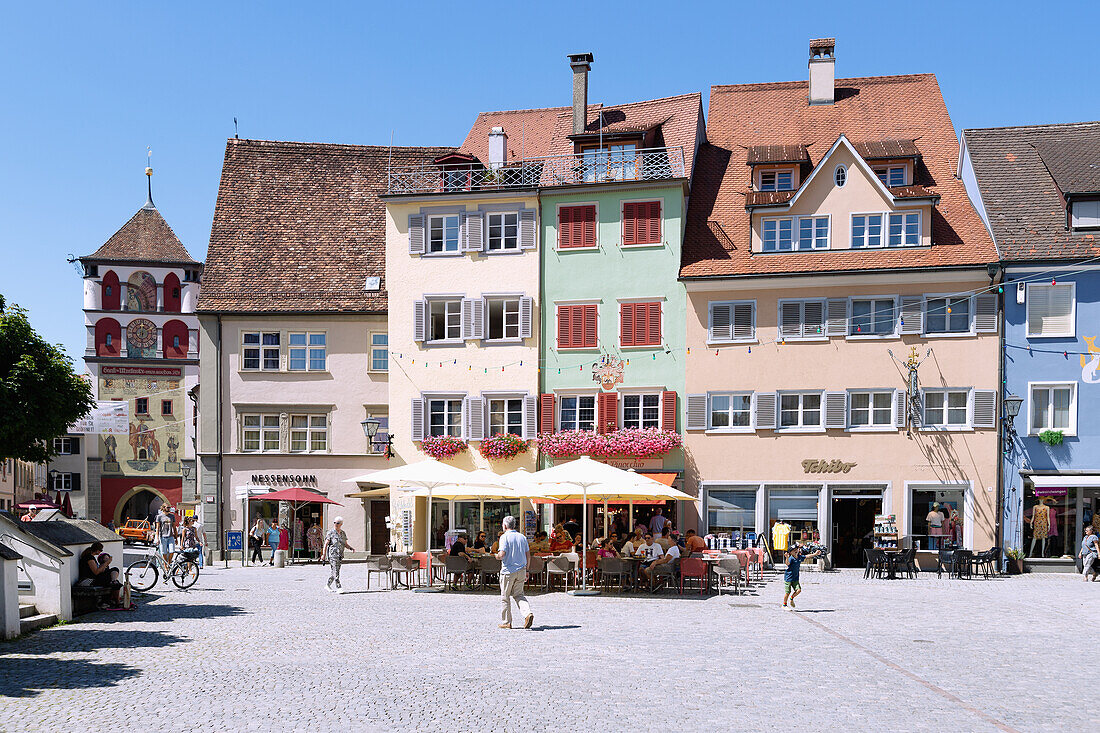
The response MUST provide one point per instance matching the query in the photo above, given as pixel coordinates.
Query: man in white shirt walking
(514, 555)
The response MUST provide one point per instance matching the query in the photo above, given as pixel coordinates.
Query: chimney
(498, 148)
(822, 70)
(581, 63)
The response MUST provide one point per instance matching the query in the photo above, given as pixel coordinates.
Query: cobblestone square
(265, 649)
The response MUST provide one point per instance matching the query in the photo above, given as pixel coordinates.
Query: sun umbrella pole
(584, 538)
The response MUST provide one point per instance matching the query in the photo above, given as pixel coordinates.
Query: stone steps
(27, 609)
(31, 620)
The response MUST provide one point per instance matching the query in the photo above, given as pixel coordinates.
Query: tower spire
(149, 179)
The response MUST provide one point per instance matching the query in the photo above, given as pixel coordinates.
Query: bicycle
(184, 571)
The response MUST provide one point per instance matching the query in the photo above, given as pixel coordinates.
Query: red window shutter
(576, 226)
(654, 228)
(565, 227)
(626, 324)
(653, 323)
(546, 413)
(630, 224)
(588, 320)
(588, 214)
(668, 411)
(608, 408)
(565, 333)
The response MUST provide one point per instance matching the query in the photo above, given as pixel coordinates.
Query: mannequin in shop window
(314, 537)
(935, 521)
(1043, 519)
(781, 535)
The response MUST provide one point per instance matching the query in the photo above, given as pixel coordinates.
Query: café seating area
(956, 563)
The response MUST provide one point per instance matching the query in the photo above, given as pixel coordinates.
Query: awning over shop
(665, 477)
(1084, 480)
(369, 493)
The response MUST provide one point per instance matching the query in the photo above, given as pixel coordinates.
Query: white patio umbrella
(584, 477)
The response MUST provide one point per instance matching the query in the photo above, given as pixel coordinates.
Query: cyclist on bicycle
(166, 533)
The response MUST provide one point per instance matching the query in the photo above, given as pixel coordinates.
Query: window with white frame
(445, 320)
(891, 175)
(800, 410)
(870, 409)
(505, 415)
(503, 319)
(794, 233)
(577, 412)
(946, 408)
(947, 315)
(840, 176)
(379, 352)
(1051, 309)
(777, 180)
(62, 481)
(872, 317)
(802, 319)
(1085, 214)
(1053, 407)
(260, 350)
(503, 231)
(866, 230)
(904, 229)
(731, 321)
(731, 411)
(445, 416)
(260, 433)
(641, 410)
(307, 352)
(66, 446)
(308, 433)
(443, 233)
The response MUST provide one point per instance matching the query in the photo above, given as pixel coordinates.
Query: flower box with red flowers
(443, 446)
(502, 447)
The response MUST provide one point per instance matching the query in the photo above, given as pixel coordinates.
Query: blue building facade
(1040, 197)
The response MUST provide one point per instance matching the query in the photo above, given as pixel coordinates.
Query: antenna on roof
(149, 178)
(235, 128)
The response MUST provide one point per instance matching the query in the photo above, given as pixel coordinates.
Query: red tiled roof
(869, 108)
(777, 154)
(912, 192)
(1019, 190)
(883, 149)
(146, 237)
(767, 198)
(529, 132)
(298, 227)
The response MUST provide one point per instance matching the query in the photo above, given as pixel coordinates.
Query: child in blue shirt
(790, 578)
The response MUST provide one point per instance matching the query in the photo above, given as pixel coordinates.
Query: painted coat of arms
(608, 372)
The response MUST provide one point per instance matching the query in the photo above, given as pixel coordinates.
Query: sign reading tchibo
(834, 466)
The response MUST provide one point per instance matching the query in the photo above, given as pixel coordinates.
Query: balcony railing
(591, 166)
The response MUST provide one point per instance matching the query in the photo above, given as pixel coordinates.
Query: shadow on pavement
(76, 639)
(30, 676)
(544, 627)
(155, 612)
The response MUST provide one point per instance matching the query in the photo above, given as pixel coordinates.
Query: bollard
(280, 558)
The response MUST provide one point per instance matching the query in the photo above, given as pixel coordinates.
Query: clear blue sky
(86, 87)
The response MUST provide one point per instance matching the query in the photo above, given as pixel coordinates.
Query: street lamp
(53, 473)
(370, 429)
(1011, 408)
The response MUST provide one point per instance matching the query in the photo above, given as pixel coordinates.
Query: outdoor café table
(712, 561)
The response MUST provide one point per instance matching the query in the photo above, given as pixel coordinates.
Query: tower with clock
(140, 291)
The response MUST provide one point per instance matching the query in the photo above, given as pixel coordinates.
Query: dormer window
(777, 180)
(1085, 214)
(891, 175)
(610, 163)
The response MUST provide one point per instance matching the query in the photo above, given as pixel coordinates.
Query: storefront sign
(638, 464)
(834, 466)
(296, 480)
(1048, 491)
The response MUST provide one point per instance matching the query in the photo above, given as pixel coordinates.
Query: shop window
(792, 519)
(937, 519)
(441, 523)
(1051, 526)
(641, 410)
(731, 512)
(577, 412)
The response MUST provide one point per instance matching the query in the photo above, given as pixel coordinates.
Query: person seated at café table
(607, 549)
(541, 542)
(560, 540)
(479, 542)
(649, 551)
(627, 548)
(665, 540)
(672, 554)
(458, 547)
(496, 544)
(694, 543)
(578, 544)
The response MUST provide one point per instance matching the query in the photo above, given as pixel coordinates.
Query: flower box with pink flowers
(443, 446)
(633, 442)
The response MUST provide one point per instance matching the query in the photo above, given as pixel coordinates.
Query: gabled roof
(529, 131)
(868, 109)
(1021, 172)
(777, 154)
(887, 149)
(298, 227)
(146, 237)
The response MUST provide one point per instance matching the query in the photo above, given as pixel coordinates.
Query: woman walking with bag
(335, 543)
(256, 540)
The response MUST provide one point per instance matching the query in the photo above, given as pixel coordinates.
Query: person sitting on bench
(96, 571)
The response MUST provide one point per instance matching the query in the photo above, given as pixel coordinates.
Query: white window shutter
(696, 417)
(744, 321)
(527, 229)
(790, 319)
(985, 408)
(475, 418)
(530, 416)
(418, 418)
(420, 318)
(721, 322)
(416, 234)
(526, 316)
(764, 404)
(912, 314)
(472, 240)
(473, 318)
(836, 319)
(813, 320)
(901, 409)
(985, 313)
(836, 410)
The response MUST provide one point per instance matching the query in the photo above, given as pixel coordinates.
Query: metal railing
(590, 166)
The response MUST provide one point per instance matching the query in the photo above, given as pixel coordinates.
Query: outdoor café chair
(536, 568)
(664, 573)
(692, 568)
(728, 572)
(875, 562)
(488, 570)
(380, 565)
(963, 563)
(945, 560)
(995, 560)
(457, 569)
(560, 566)
(611, 567)
(403, 565)
(983, 563)
(906, 562)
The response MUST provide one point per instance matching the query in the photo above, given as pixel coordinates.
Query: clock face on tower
(141, 339)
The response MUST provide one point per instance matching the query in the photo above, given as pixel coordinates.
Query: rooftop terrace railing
(590, 166)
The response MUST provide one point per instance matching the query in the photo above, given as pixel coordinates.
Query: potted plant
(502, 447)
(443, 446)
(1015, 561)
(1052, 437)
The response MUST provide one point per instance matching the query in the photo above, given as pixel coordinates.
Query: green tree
(40, 394)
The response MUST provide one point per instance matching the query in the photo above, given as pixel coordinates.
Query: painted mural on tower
(156, 399)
